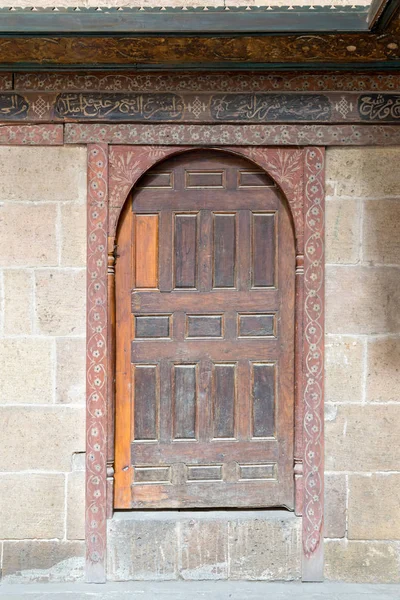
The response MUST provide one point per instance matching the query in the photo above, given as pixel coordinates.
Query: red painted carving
(245, 81)
(299, 172)
(32, 135)
(313, 364)
(6, 81)
(233, 135)
(96, 371)
(286, 168)
(127, 164)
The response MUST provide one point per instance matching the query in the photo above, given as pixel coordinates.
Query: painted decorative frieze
(233, 135)
(204, 107)
(242, 81)
(32, 135)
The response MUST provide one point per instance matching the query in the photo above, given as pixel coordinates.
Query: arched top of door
(127, 164)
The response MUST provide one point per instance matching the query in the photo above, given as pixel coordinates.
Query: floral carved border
(299, 173)
(313, 364)
(127, 165)
(32, 135)
(285, 165)
(96, 368)
(232, 135)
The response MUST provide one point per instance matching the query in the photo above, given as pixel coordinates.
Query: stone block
(61, 302)
(26, 371)
(335, 506)
(383, 370)
(374, 507)
(76, 505)
(343, 231)
(71, 370)
(344, 369)
(362, 300)
(43, 173)
(204, 549)
(197, 545)
(267, 549)
(18, 302)
(143, 548)
(381, 232)
(362, 562)
(36, 561)
(364, 172)
(363, 438)
(40, 438)
(28, 235)
(31, 505)
(78, 461)
(73, 235)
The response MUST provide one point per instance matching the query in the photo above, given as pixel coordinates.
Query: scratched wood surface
(207, 398)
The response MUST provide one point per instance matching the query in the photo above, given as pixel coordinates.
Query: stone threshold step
(203, 545)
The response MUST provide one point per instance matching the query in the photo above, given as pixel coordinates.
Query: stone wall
(363, 365)
(42, 361)
(42, 326)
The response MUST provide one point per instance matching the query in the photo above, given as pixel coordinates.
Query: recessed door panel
(207, 265)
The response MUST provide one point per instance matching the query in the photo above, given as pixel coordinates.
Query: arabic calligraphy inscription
(270, 107)
(154, 107)
(379, 107)
(13, 105)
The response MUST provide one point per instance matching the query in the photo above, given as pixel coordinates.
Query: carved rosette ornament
(96, 383)
(313, 364)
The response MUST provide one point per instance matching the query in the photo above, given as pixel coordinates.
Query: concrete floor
(218, 590)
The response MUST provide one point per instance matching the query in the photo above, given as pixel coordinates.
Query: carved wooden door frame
(299, 172)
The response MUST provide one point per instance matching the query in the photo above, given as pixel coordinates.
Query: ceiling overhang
(198, 38)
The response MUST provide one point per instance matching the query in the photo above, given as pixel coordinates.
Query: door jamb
(112, 172)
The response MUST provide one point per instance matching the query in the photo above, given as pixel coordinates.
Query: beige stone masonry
(374, 507)
(60, 301)
(71, 371)
(73, 235)
(32, 505)
(26, 371)
(240, 545)
(18, 301)
(363, 438)
(345, 368)
(343, 225)
(204, 549)
(362, 562)
(76, 505)
(38, 561)
(335, 505)
(264, 550)
(381, 231)
(43, 174)
(362, 300)
(363, 172)
(42, 382)
(40, 438)
(42, 357)
(28, 234)
(383, 375)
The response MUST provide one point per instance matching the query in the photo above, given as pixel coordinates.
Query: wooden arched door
(205, 277)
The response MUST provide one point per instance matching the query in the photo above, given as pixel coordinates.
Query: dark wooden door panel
(211, 336)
